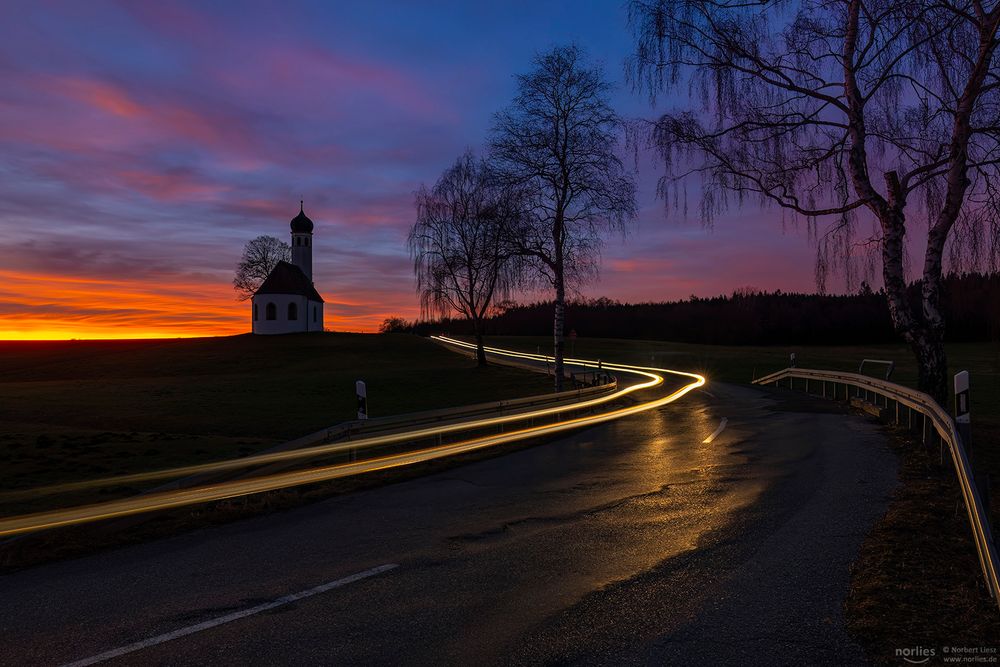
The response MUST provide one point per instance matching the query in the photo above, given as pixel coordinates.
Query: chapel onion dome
(301, 224)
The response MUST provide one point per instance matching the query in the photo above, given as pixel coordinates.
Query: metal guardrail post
(891, 366)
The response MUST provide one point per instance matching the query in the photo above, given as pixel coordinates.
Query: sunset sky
(143, 143)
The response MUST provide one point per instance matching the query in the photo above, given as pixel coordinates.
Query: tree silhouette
(849, 110)
(461, 258)
(260, 256)
(556, 144)
(394, 324)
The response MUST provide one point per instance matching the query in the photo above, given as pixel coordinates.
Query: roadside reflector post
(964, 423)
(362, 393)
(791, 359)
(962, 418)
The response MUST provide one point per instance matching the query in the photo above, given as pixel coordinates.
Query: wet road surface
(634, 542)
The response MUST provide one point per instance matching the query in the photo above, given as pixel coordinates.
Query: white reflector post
(362, 392)
(962, 397)
(962, 420)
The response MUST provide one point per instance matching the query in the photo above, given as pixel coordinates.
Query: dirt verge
(917, 595)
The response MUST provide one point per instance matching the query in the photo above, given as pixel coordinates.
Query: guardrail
(399, 443)
(934, 419)
(348, 431)
(577, 378)
(890, 366)
(360, 428)
(347, 438)
(510, 406)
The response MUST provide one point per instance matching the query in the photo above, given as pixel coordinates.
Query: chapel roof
(286, 278)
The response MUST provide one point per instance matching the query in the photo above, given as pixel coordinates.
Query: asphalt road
(634, 542)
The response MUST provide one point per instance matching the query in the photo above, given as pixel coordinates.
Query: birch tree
(556, 144)
(869, 117)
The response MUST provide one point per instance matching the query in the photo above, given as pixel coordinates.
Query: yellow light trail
(339, 447)
(181, 497)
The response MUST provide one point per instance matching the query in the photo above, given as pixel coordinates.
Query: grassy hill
(79, 409)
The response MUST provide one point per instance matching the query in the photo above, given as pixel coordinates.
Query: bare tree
(834, 109)
(260, 256)
(557, 144)
(459, 245)
(394, 324)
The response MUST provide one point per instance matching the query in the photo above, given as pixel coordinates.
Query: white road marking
(706, 391)
(235, 616)
(722, 427)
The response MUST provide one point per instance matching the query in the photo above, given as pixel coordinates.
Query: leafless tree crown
(260, 256)
(830, 107)
(557, 143)
(459, 242)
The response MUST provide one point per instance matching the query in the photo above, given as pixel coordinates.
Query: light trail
(353, 445)
(181, 497)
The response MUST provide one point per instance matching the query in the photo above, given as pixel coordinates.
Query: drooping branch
(847, 109)
(459, 243)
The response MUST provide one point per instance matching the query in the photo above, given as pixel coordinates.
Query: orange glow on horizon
(37, 306)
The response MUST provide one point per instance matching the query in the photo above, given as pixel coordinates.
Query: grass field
(742, 364)
(73, 410)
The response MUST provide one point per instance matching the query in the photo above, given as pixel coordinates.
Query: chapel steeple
(302, 231)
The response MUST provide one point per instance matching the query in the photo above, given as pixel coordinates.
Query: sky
(143, 143)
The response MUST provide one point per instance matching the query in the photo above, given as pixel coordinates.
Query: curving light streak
(353, 445)
(241, 487)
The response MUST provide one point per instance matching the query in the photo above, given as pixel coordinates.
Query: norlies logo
(917, 655)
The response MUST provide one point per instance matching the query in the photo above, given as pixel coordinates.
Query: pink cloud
(174, 185)
(298, 67)
(97, 94)
(81, 112)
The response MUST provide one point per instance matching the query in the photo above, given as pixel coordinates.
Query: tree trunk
(480, 351)
(932, 363)
(929, 347)
(558, 321)
(926, 334)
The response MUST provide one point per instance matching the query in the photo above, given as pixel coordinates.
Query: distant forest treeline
(749, 317)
